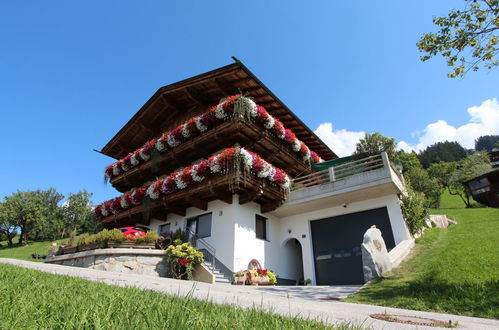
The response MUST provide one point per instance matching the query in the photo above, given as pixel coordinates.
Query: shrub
(139, 239)
(151, 236)
(272, 277)
(415, 211)
(182, 259)
(181, 235)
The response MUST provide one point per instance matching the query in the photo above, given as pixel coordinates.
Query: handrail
(211, 250)
(339, 172)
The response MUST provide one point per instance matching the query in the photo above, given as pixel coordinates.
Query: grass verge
(32, 299)
(454, 270)
(24, 252)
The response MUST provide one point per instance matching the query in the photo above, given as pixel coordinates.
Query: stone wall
(129, 261)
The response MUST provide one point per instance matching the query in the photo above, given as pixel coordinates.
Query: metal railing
(209, 252)
(338, 172)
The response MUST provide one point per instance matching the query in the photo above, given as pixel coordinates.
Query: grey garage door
(337, 240)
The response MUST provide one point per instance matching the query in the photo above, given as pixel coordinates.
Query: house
(485, 188)
(220, 155)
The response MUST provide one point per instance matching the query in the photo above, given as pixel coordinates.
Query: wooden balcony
(240, 130)
(221, 187)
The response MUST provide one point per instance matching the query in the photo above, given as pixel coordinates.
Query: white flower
(178, 181)
(266, 170)
(185, 130)
(194, 174)
(143, 155)
(124, 167)
(172, 142)
(269, 123)
(200, 125)
(133, 160)
(252, 107)
(219, 111)
(123, 203)
(103, 211)
(151, 192)
(296, 145)
(160, 145)
(247, 158)
(286, 184)
(116, 169)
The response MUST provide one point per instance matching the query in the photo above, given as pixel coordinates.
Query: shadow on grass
(428, 293)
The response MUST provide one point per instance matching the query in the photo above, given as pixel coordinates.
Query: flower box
(240, 279)
(130, 245)
(69, 249)
(92, 246)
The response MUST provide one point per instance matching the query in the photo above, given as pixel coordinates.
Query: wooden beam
(250, 196)
(264, 208)
(197, 202)
(175, 209)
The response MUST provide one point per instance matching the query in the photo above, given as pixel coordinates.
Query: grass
(24, 252)
(453, 270)
(32, 299)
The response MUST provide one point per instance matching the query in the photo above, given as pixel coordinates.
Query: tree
(442, 152)
(466, 38)
(486, 142)
(442, 172)
(408, 160)
(7, 228)
(374, 144)
(467, 169)
(420, 181)
(78, 217)
(31, 212)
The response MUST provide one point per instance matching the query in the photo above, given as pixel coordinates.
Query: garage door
(337, 240)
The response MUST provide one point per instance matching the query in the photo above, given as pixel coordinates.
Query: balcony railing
(339, 172)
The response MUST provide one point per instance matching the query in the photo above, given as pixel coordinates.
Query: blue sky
(72, 74)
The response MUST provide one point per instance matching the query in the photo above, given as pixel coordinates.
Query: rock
(149, 260)
(440, 221)
(375, 260)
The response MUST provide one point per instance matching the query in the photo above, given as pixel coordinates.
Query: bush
(415, 211)
(151, 236)
(272, 277)
(181, 235)
(182, 259)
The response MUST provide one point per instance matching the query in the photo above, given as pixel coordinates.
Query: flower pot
(240, 279)
(263, 280)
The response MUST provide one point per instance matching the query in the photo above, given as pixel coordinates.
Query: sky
(73, 73)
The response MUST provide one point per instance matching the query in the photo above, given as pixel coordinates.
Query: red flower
(183, 261)
(138, 195)
(262, 272)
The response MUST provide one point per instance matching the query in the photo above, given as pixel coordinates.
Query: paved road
(303, 302)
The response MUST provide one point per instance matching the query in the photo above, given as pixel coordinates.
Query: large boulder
(375, 260)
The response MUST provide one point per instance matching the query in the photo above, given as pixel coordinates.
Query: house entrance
(293, 255)
(337, 240)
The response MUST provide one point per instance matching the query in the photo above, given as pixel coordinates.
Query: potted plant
(240, 278)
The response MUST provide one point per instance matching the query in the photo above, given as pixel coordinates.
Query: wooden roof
(200, 92)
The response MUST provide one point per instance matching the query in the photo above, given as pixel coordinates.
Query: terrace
(341, 184)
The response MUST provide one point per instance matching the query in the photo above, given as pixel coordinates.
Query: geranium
(109, 171)
(126, 200)
(154, 189)
(138, 195)
(116, 206)
(134, 160)
(168, 185)
(183, 261)
(262, 272)
(145, 151)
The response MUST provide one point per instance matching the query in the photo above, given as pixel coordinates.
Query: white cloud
(484, 121)
(342, 142)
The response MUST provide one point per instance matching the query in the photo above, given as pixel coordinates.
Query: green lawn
(454, 270)
(25, 252)
(32, 299)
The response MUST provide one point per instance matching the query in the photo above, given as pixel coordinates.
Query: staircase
(210, 260)
(219, 277)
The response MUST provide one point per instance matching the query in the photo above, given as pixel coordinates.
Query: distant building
(485, 188)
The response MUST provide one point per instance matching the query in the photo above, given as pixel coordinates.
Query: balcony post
(331, 174)
(386, 161)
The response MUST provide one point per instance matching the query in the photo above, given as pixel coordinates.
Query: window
(261, 227)
(200, 225)
(165, 228)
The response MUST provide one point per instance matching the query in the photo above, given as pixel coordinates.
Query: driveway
(304, 302)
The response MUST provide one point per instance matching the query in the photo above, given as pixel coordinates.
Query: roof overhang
(206, 90)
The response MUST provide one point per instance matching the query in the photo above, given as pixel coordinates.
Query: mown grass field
(454, 270)
(25, 252)
(35, 300)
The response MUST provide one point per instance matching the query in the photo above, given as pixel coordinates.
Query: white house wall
(222, 227)
(233, 232)
(299, 225)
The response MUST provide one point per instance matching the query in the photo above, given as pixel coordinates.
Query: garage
(337, 245)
